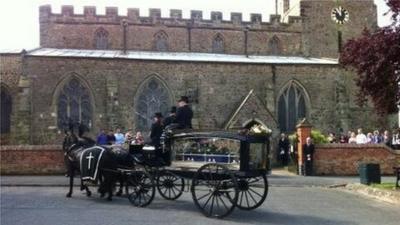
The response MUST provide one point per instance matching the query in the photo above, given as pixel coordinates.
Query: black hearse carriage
(223, 170)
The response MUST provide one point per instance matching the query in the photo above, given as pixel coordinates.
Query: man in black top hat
(184, 114)
(156, 129)
(171, 118)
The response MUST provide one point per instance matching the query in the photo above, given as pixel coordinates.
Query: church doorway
(6, 107)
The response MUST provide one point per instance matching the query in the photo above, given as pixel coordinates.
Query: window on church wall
(291, 108)
(274, 46)
(153, 97)
(101, 39)
(218, 44)
(161, 41)
(6, 107)
(74, 105)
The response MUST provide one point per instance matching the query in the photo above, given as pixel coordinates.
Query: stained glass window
(161, 41)
(74, 105)
(6, 106)
(291, 107)
(218, 44)
(101, 39)
(152, 98)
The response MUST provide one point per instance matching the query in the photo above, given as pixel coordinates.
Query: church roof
(178, 56)
(11, 51)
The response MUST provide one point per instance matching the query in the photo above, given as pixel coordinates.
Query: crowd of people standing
(375, 137)
(179, 116)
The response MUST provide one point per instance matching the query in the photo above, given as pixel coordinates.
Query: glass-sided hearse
(223, 169)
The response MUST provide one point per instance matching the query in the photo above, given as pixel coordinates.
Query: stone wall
(31, 159)
(115, 84)
(70, 30)
(311, 34)
(10, 70)
(344, 159)
(10, 81)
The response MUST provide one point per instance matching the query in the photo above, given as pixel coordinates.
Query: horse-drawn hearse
(222, 170)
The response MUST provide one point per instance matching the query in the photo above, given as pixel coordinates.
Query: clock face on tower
(340, 15)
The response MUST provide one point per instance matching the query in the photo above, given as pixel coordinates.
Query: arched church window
(218, 44)
(74, 105)
(274, 46)
(101, 39)
(291, 107)
(161, 41)
(152, 97)
(6, 107)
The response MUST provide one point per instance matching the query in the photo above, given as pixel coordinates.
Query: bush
(318, 137)
(293, 139)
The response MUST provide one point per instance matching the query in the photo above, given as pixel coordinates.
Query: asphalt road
(24, 205)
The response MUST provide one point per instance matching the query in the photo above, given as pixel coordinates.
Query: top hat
(184, 99)
(158, 115)
(173, 109)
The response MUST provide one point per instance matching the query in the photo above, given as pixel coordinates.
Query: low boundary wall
(31, 159)
(344, 159)
(330, 159)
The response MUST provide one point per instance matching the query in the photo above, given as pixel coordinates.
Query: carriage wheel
(140, 188)
(252, 192)
(214, 190)
(169, 185)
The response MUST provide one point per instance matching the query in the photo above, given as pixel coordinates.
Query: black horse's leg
(88, 192)
(71, 181)
(85, 187)
(109, 184)
(101, 189)
(121, 185)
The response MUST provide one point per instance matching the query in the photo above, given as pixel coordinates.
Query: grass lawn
(387, 186)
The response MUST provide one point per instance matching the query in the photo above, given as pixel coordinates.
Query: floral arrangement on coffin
(258, 129)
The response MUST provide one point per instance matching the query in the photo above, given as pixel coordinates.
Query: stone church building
(112, 70)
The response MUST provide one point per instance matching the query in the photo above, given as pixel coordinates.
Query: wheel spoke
(212, 204)
(165, 191)
(172, 189)
(251, 196)
(255, 180)
(247, 199)
(177, 189)
(207, 201)
(204, 196)
(241, 198)
(255, 192)
(222, 200)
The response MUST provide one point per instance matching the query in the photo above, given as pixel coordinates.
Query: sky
(19, 19)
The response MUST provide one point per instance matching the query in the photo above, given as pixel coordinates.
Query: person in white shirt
(119, 137)
(361, 138)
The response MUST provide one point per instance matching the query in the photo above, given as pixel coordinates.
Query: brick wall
(343, 159)
(330, 159)
(31, 159)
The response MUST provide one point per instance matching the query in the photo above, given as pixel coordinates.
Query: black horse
(73, 147)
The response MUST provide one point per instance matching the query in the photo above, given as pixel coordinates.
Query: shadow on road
(267, 217)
